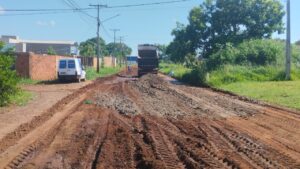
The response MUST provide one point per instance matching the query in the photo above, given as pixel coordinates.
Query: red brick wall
(42, 67)
(22, 64)
(37, 66)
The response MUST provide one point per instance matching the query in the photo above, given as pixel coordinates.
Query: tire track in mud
(13, 154)
(95, 136)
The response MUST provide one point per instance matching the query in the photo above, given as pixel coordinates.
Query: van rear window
(62, 64)
(71, 64)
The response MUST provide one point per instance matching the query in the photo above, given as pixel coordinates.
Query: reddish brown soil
(150, 123)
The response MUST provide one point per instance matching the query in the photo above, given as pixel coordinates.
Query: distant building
(131, 60)
(39, 46)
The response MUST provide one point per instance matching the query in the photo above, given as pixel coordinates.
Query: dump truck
(147, 59)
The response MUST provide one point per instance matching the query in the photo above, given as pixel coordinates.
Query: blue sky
(151, 24)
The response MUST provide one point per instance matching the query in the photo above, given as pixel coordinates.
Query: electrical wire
(75, 7)
(110, 18)
(148, 4)
(36, 13)
(40, 10)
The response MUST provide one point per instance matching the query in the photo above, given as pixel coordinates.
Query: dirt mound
(149, 82)
(118, 102)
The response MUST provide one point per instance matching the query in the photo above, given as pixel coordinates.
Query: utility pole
(121, 45)
(114, 50)
(288, 43)
(98, 29)
(115, 31)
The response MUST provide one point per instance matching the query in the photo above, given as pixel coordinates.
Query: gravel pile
(119, 102)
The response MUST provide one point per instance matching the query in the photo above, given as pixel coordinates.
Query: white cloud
(50, 23)
(1, 10)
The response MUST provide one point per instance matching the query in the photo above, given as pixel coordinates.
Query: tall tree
(217, 22)
(88, 48)
(118, 49)
(162, 49)
(181, 45)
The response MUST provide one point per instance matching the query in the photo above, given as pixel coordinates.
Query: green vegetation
(51, 51)
(88, 102)
(233, 73)
(286, 93)
(20, 98)
(259, 82)
(91, 73)
(27, 81)
(8, 77)
(88, 48)
(215, 23)
(175, 70)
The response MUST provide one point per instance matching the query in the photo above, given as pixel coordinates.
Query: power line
(75, 7)
(48, 9)
(35, 13)
(148, 4)
(107, 19)
(106, 32)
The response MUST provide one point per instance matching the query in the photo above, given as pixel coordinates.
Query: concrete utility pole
(288, 43)
(115, 31)
(121, 45)
(98, 29)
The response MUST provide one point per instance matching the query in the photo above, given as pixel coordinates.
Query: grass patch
(21, 98)
(260, 82)
(88, 102)
(231, 74)
(91, 73)
(178, 70)
(27, 81)
(285, 93)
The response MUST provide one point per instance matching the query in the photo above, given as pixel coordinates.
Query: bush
(252, 52)
(8, 79)
(178, 70)
(232, 73)
(197, 76)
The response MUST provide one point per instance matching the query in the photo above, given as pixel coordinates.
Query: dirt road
(151, 123)
(44, 97)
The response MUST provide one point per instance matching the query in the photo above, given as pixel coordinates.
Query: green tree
(215, 23)
(297, 42)
(8, 78)
(162, 51)
(181, 45)
(88, 48)
(51, 51)
(118, 49)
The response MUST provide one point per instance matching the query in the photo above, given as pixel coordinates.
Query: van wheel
(79, 80)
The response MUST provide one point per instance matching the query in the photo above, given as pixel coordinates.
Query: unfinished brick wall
(110, 61)
(37, 66)
(22, 64)
(42, 67)
(92, 61)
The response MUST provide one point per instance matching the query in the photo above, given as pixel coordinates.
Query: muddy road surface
(147, 123)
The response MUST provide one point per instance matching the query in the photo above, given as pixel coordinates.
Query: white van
(71, 69)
